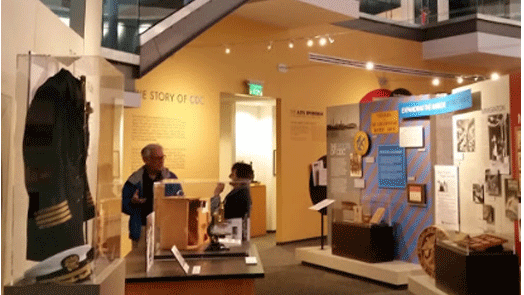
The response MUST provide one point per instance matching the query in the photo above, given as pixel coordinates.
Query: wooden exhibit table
(224, 272)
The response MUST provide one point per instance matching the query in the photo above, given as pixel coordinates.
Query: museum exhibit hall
(261, 147)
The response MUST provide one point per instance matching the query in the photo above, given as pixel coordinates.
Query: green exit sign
(255, 89)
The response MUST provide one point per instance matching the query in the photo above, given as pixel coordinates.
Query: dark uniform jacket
(55, 151)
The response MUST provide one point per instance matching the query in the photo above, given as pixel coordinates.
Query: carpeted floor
(284, 275)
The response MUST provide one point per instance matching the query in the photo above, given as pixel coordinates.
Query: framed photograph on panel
(416, 194)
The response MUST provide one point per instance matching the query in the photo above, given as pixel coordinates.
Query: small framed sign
(416, 194)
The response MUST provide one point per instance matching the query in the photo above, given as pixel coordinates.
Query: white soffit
(477, 42)
(345, 7)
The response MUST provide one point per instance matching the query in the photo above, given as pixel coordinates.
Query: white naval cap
(68, 266)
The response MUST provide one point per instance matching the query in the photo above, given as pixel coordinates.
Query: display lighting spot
(369, 65)
(291, 44)
(309, 43)
(228, 51)
(269, 46)
(331, 40)
(495, 76)
(460, 80)
(435, 82)
(322, 41)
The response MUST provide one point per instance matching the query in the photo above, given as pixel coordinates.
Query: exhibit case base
(110, 282)
(423, 284)
(392, 272)
(363, 241)
(476, 272)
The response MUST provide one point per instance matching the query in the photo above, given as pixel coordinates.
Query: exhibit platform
(392, 272)
(423, 284)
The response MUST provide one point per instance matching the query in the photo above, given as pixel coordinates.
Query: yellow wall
(203, 69)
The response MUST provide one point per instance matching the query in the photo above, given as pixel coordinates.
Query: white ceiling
(288, 14)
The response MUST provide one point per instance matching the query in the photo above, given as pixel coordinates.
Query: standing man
(137, 194)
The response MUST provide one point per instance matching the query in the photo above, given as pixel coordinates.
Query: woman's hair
(243, 170)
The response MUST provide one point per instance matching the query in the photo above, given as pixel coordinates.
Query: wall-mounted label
(449, 103)
(391, 167)
(162, 96)
(384, 122)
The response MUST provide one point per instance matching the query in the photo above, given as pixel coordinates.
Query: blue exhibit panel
(391, 167)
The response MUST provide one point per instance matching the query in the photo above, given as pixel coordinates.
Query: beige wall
(202, 68)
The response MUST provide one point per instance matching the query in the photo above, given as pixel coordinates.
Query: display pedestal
(392, 272)
(110, 282)
(258, 210)
(181, 222)
(457, 272)
(365, 242)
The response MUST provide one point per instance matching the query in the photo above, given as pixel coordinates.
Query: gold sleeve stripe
(40, 217)
(74, 276)
(55, 222)
(54, 217)
(52, 208)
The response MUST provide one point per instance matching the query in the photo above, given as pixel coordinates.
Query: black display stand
(479, 272)
(318, 193)
(363, 241)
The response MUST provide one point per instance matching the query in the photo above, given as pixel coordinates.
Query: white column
(93, 27)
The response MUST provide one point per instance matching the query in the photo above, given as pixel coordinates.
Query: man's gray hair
(146, 151)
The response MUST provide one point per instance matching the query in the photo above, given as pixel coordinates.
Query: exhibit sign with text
(446, 197)
(447, 104)
(391, 166)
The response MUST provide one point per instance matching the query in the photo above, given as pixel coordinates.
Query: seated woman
(237, 203)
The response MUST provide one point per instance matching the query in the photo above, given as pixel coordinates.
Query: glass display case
(477, 264)
(363, 232)
(63, 220)
(367, 213)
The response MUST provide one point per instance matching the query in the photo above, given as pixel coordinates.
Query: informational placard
(180, 259)
(412, 136)
(447, 104)
(391, 166)
(446, 197)
(319, 173)
(322, 204)
(150, 240)
(384, 122)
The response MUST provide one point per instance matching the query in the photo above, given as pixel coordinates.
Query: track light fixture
(322, 41)
(309, 43)
(291, 44)
(269, 46)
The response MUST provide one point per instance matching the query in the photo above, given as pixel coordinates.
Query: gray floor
(284, 275)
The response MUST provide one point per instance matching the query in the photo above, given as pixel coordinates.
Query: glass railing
(424, 12)
(124, 20)
(70, 12)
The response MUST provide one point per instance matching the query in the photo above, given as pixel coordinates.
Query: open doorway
(248, 134)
